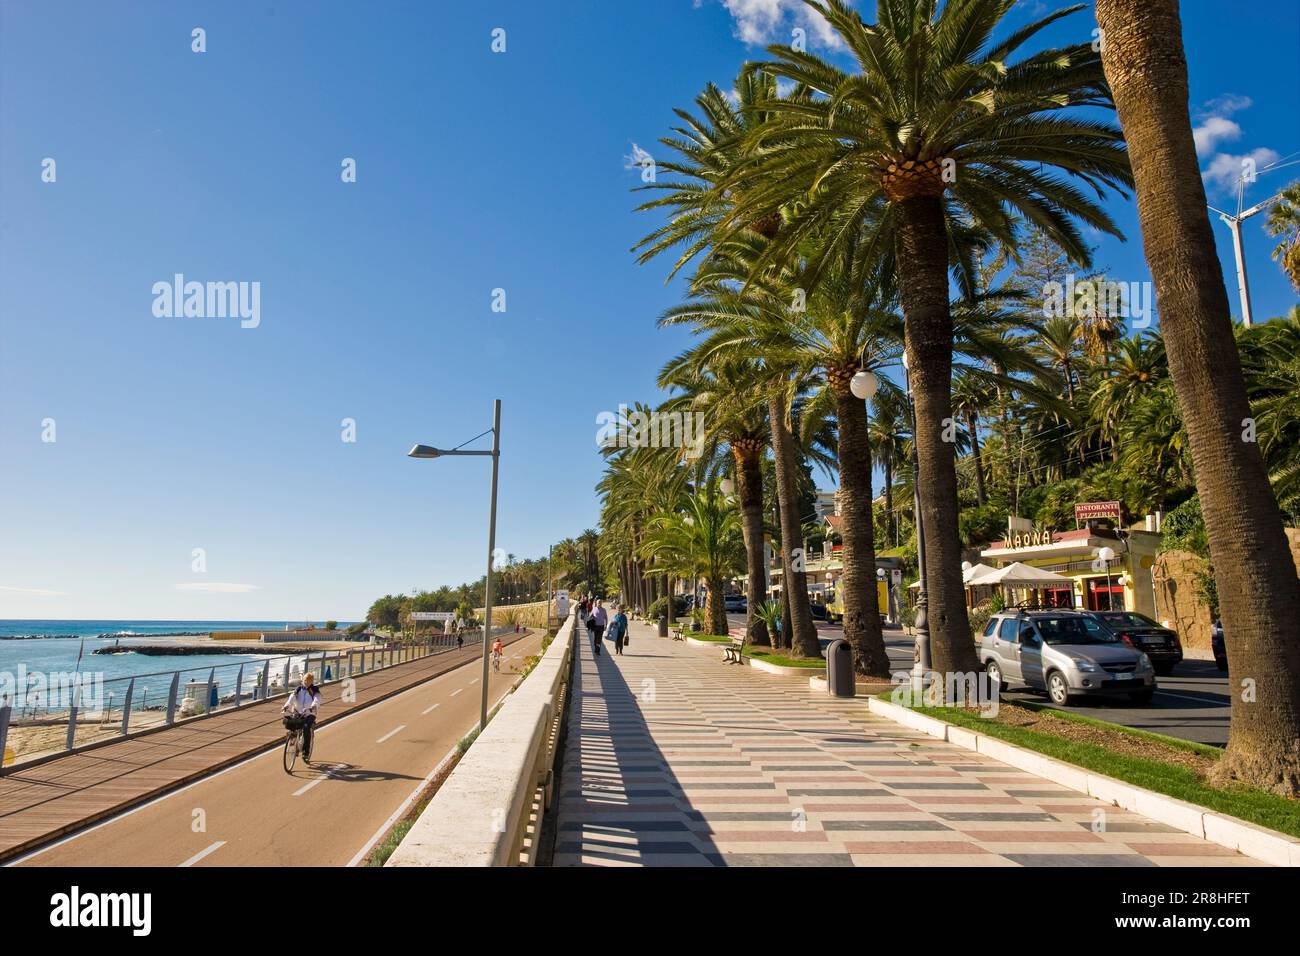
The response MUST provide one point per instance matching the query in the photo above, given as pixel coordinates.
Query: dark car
(1141, 633)
(1217, 645)
(735, 603)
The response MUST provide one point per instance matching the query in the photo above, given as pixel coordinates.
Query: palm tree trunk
(923, 280)
(783, 638)
(671, 602)
(715, 607)
(1259, 593)
(803, 633)
(749, 489)
(858, 584)
(972, 424)
(890, 517)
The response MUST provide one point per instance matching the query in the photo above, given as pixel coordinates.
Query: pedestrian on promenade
(596, 624)
(619, 630)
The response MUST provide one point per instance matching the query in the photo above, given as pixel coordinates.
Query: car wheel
(1144, 696)
(1058, 689)
(995, 676)
(1221, 663)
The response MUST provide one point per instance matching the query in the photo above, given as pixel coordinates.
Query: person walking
(596, 624)
(618, 629)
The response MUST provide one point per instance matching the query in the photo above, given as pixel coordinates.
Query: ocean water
(52, 646)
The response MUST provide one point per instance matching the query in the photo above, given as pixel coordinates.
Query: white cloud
(760, 22)
(1214, 130)
(638, 158)
(36, 592)
(1216, 127)
(219, 586)
(1225, 169)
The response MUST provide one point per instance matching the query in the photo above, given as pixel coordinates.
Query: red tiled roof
(835, 521)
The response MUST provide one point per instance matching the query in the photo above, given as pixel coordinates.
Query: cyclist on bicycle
(497, 649)
(305, 703)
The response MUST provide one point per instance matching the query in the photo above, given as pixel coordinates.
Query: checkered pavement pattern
(674, 759)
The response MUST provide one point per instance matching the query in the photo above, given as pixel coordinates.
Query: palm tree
(888, 426)
(708, 147)
(701, 538)
(971, 396)
(1058, 349)
(937, 139)
(1259, 593)
(1284, 221)
(838, 331)
(728, 393)
(1136, 369)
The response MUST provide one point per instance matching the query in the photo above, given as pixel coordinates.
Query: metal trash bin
(839, 669)
(663, 625)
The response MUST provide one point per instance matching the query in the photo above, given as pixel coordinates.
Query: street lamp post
(922, 625)
(425, 451)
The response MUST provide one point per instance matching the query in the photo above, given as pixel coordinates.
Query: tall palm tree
(888, 426)
(1058, 348)
(707, 148)
(1259, 593)
(937, 134)
(833, 334)
(701, 538)
(1135, 370)
(728, 392)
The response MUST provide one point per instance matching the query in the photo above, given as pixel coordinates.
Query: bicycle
(293, 741)
(496, 661)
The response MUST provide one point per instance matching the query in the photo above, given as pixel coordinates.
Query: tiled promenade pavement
(675, 759)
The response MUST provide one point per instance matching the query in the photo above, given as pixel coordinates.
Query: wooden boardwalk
(43, 802)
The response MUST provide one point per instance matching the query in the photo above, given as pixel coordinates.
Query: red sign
(1089, 510)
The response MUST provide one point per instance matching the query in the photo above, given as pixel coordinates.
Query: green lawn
(711, 638)
(1255, 806)
(761, 654)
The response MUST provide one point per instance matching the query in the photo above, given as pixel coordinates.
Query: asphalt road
(1191, 703)
(364, 768)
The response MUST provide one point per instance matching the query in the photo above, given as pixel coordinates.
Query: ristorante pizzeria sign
(1092, 510)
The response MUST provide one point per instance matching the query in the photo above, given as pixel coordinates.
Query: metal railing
(61, 713)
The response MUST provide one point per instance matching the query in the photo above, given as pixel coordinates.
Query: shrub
(660, 607)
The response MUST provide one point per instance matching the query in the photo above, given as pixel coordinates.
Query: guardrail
(488, 812)
(82, 713)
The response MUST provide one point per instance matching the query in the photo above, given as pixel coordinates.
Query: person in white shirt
(305, 703)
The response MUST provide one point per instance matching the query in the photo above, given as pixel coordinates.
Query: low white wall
(478, 814)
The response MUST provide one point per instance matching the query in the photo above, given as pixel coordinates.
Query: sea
(53, 646)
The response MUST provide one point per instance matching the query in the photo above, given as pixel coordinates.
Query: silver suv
(1066, 653)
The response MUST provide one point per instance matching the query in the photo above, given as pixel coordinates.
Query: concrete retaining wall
(480, 814)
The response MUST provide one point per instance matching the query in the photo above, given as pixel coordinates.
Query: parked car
(1140, 632)
(735, 603)
(1217, 645)
(1067, 654)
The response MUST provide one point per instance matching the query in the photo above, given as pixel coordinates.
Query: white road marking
(396, 730)
(202, 853)
(457, 691)
(474, 681)
(1197, 700)
(427, 709)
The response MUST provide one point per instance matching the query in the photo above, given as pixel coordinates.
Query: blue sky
(475, 171)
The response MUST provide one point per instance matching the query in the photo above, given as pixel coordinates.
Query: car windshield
(1127, 619)
(1073, 630)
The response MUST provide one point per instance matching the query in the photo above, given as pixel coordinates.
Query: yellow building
(1124, 582)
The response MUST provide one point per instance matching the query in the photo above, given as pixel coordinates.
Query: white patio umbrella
(1018, 575)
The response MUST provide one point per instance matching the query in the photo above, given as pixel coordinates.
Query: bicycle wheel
(290, 751)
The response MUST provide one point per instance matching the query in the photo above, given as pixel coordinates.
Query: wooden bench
(679, 632)
(734, 653)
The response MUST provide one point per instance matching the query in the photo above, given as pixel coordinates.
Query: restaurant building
(1108, 568)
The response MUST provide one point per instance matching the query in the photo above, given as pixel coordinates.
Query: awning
(1023, 576)
(968, 575)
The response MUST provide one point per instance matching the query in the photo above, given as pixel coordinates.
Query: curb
(1250, 840)
(761, 665)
